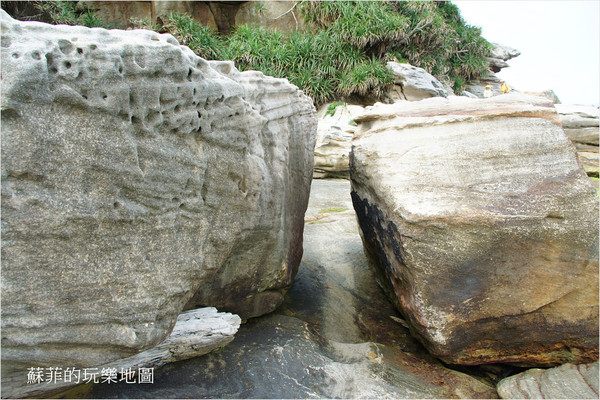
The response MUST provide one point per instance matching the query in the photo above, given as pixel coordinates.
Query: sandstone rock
(484, 225)
(503, 52)
(477, 86)
(468, 94)
(565, 382)
(413, 83)
(334, 139)
(282, 15)
(136, 180)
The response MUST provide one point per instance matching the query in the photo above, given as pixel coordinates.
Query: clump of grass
(332, 106)
(324, 68)
(430, 35)
(199, 38)
(69, 13)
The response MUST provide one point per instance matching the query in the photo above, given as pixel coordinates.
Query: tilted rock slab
(138, 180)
(565, 382)
(484, 225)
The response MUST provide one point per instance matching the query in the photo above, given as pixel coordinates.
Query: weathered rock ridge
(565, 382)
(582, 126)
(484, 226)
(138, 180)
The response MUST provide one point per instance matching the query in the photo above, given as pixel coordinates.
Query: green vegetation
(68, 13)
(342, 53)
(332, 106)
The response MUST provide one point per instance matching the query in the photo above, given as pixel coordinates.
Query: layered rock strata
(581, 125)
(565, 382)
(139, 180)
(196, 332)
(484, 226)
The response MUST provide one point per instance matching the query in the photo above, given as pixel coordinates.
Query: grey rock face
(565, 382)
(484, 225)
(196, 332)
(503, 52)
(137, 180)
(414, 83)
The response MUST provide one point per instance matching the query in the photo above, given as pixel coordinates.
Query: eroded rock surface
(137, 180)
(484, 225)
(565, 382)
(196, 332)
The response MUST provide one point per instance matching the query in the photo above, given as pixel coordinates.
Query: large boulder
(413, 83)
(484, 226)
(138, 180)
(334, 139)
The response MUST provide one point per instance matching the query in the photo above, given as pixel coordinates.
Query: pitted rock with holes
(138, 180)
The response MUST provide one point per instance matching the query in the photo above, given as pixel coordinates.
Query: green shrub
(200, 39)
(430, 35)
(343, 54)
(323, 67)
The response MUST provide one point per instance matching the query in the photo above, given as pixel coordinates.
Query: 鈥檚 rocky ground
(333, 337)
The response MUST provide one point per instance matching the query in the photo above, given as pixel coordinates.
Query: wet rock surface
(332, 338)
